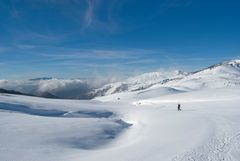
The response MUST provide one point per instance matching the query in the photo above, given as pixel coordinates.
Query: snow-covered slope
(207, 128)
(217, 76)
(138, 83)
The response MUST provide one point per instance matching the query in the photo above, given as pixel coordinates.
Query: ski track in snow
(223, 146)
(216, 150)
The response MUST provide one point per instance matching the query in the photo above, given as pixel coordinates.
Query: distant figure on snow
(179, 107)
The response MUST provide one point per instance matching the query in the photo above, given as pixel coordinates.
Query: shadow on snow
(92, 141)
(54, 113)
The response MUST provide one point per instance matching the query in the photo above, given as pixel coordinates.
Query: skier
(179, 107)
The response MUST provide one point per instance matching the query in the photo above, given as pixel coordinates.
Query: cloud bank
(59, 88)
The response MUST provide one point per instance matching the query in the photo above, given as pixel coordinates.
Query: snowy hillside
(216, 76)
(39, 129)
(140, 82)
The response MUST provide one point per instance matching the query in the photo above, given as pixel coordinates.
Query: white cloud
(63, 88)
(73, 54)
(89, 14)
(25, 46)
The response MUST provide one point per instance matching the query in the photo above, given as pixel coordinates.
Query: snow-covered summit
(231, 65)
(216, 76)
(154, 77)
(235, 63)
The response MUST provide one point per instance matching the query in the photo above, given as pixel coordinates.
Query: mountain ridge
(219, 75)
(231, 67)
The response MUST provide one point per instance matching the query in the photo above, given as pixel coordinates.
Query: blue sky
(85, 38)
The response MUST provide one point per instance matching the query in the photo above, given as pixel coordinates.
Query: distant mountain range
(140, 82)
(216, 76)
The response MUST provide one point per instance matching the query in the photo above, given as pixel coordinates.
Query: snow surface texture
(207, 129)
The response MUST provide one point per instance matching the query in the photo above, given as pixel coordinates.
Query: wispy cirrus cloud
(141, 61)
(96, 20)
(75, 58)
(89, 14)
(72, 53)
(72, 19)
(25, 46)
(74, 63)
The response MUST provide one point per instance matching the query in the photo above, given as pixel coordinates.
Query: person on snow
(179, 107)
